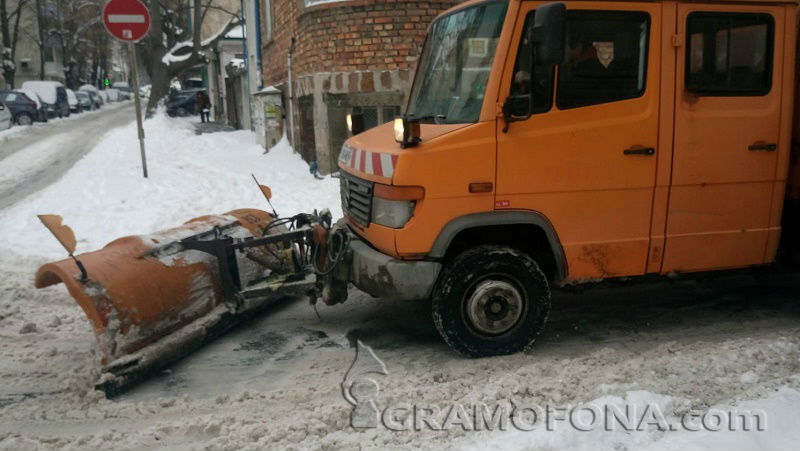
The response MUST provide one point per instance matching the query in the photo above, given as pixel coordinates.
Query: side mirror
(549, 33)
(517, 108)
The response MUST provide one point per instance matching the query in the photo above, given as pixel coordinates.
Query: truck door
(726, 135)
(586, 157)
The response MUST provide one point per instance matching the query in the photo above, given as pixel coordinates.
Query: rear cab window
(729, 54)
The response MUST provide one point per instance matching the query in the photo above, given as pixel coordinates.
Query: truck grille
(356, 198)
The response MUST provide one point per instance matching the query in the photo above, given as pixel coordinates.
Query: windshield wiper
(436, 118)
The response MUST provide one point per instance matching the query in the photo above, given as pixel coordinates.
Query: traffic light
(106, 82)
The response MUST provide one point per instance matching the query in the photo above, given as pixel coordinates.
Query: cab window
(540, 85)
(729, 53)
(606, 58)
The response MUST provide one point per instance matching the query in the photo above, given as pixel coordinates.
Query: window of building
(51, 10)
(606, 58)
(268, 20)
(374, 116)
(729, 53)
(390, 112)
(49, 54)
(541, 84)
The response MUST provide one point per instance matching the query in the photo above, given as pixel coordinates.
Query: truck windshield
(455, 64)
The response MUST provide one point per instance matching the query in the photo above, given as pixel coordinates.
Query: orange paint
(700, 200)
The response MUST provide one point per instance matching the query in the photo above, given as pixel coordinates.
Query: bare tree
(169, 49)
(10, 16)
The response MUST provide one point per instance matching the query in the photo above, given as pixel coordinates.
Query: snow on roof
(237, 63)
(31, 94)
(269, 90)
(87, 88)
(45, 88)
(235, 33)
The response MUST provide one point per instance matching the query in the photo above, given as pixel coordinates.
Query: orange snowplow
(152, 299)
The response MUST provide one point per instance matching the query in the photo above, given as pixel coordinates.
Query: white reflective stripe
(126, 18)
(368, 163)
(386, 165)
(357, 161)
(345, 155)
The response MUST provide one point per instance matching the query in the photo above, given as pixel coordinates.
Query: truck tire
(490, 300)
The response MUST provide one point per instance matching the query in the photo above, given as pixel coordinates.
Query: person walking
(202, 105)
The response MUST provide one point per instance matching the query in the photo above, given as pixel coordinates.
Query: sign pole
(138, 103)
(129, 21)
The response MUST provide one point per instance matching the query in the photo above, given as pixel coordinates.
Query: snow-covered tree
(175, 42)
(10, 15)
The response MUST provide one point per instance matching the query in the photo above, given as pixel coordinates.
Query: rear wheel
(24, 119)
(491, 300)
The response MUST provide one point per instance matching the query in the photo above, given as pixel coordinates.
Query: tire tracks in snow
(29, 162)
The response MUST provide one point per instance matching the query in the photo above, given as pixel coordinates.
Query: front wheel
(491, 300)
(24, 119)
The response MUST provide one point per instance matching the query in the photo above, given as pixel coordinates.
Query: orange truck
(542, 144)
(549, 144)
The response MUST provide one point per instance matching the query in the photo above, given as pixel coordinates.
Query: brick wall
(356, 35)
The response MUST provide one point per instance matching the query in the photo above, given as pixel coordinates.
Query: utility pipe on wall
(291, 95)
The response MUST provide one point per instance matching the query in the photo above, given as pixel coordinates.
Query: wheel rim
(24, 120)
(494, 306)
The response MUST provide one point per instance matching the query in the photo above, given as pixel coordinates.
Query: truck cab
(553, 143)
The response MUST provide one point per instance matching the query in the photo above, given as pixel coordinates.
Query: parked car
(145, 90)
(74, 104)
(113, 95)
(94, 95)
(84, 100)
(181, 103)
(5, 117)
(41, 107)
(53, 94)
(124, 90)
(23, 110)
(192, 83)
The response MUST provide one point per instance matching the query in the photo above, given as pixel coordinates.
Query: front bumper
(383, 276)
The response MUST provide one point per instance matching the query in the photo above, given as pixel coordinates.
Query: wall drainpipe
(291, 95)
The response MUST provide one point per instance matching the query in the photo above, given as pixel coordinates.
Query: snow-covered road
(275, 382)
(33, 157)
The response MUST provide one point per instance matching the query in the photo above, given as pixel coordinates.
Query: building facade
(346, 55)
(28, 55)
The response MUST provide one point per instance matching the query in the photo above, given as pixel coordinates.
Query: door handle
(637, 150)
(762, 147)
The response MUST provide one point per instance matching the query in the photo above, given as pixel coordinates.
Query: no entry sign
(126, 20)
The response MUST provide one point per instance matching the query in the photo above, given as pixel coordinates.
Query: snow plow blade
(152, 299)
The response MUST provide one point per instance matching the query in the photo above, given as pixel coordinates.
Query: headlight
(393, 206)
(350, 123)
(392, 213)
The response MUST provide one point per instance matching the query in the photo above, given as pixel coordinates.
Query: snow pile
(104, 196)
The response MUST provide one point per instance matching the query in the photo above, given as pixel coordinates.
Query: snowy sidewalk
(104, 196)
